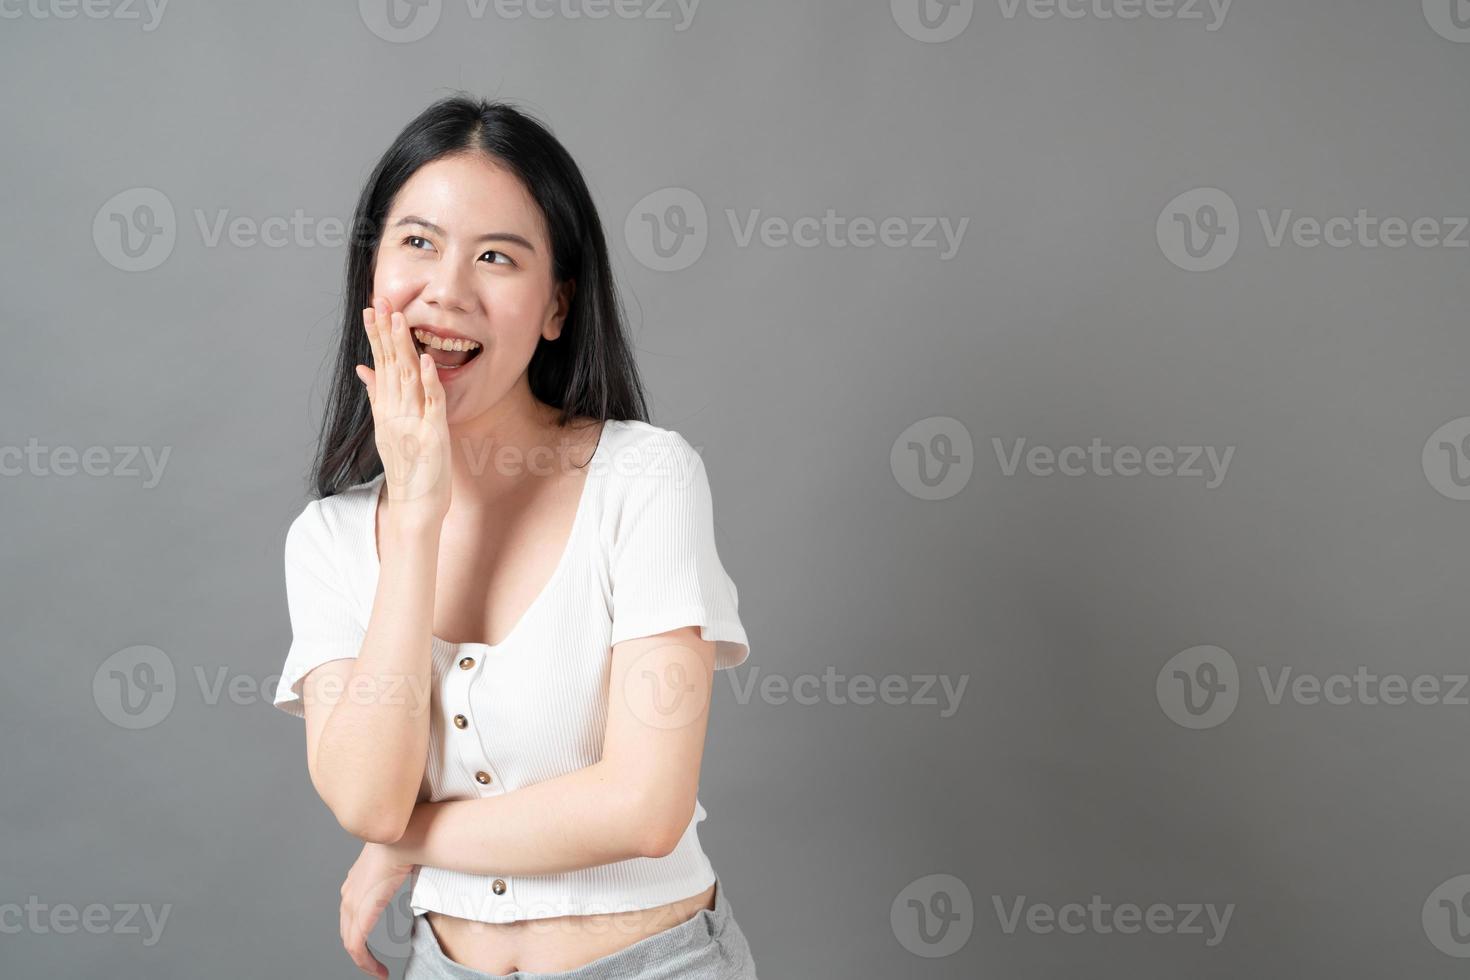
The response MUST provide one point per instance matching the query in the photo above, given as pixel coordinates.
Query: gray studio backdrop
(1083, 388)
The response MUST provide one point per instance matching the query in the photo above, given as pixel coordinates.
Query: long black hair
(588, 371)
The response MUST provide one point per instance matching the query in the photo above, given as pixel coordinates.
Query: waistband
(648, 957)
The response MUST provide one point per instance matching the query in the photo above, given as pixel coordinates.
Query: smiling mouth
(445, 352)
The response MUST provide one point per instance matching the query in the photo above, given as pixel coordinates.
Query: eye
(412, 240)
(502, 255)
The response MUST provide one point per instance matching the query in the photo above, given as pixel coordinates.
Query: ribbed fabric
(640, 560)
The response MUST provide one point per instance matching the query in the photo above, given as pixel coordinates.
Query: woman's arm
(636, 801)
(367, 719)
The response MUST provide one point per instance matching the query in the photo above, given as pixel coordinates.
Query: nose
(449, 287)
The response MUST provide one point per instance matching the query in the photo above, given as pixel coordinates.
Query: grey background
(1327, 548)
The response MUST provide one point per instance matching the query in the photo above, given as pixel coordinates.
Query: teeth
(430, 340)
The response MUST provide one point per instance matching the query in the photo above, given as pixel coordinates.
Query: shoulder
(655, 477)
(643, 463)
(325, 520)
(632, 449)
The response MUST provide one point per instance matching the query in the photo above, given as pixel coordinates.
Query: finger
(400, 366)
(379, 970)
(369, 383)
(381, 325)
(434, 400)
(370, 327)
(357, 949)
(410, 388)
(362, 953)
(385, 369)
(343, 920)
(435, 407)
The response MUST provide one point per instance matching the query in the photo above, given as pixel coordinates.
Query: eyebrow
(494, 236)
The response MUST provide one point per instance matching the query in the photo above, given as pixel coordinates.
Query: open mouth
(446, 352)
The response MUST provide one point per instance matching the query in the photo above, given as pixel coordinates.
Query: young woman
(506, 604)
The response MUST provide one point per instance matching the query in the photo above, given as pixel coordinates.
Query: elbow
(660, 845)
(376, 827)
(662, 828)
(367, 820)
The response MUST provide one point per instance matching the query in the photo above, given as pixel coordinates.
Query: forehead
(468, 195)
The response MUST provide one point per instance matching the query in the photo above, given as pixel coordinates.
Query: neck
(496, 450)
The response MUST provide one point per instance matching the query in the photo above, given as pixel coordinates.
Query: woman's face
(465, 255)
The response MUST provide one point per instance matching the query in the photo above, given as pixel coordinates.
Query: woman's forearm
(373, 748)
(586, 818)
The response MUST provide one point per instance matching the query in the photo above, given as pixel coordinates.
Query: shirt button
(460, 721)
(498, 887)
(465, 663)
(482, 777)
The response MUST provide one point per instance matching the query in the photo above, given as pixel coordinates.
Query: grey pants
(709, 946)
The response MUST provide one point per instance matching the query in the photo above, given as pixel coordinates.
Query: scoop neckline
(375, 494)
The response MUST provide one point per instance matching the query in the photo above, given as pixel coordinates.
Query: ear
(564, 293)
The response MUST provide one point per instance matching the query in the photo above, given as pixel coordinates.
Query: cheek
(521, 307)
(396, 282)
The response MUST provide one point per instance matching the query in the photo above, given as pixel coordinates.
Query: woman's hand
(368, 889)
(409, 424)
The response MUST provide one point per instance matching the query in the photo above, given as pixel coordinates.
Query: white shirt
(640, 560)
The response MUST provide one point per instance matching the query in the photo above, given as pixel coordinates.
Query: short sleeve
(664, 570)
(324, 621)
